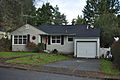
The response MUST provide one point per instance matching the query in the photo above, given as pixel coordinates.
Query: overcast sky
(71, 8)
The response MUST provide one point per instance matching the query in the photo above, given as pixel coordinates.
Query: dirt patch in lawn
(1, 57)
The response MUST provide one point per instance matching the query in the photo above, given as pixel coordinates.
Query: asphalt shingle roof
(77, 30)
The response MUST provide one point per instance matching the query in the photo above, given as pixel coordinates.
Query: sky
(71, 8)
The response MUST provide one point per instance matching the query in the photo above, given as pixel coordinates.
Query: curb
(62, 71)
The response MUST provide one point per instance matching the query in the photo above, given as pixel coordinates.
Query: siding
(66, 48)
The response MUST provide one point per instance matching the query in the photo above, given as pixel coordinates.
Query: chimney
(87, 26)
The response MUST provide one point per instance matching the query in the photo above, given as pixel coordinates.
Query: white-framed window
(70, 38)
(20, 39)
(56, 39)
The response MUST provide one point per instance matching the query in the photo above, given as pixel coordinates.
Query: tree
(48, 14)
(115, 50)
(31, 17)
(73, 21)
(80, 20)
(44, 14)
(58, 18)
(109, 27)
(12, 13)
(108, 6)
(118, 20)
(90, 11)
(95, 8)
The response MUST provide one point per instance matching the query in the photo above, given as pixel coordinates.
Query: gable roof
(77, 30)
(27, 29)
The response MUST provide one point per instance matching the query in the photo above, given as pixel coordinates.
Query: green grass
(108, 67)
(43, 58)
(13, 54)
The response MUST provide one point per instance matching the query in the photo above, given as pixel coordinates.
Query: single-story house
(78, 39)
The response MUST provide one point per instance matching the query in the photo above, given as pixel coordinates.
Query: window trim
(13, 39)
(70, 37)
(56, 39)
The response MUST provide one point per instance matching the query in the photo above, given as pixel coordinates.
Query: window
(56, 39)
(20, 39)
(70, 38)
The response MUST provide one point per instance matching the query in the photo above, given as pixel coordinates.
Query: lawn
(14, 54)
(108, 67)
(43, 58)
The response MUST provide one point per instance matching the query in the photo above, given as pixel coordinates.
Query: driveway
(78, 64)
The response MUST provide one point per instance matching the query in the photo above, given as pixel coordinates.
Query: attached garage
(87, 48)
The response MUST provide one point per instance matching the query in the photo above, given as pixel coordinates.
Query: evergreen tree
(47, 14)
(90, 11)
(80, 20)
(73, 21)
(108, 6)
(58, 18)
(12, 13)
(95, 8)
(109, 28)
(44, 14)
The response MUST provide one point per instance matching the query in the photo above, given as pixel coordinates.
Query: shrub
(31, 45)
(116, 53)
(40, 47)
(5, 45)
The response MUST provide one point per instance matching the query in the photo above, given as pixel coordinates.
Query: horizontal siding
(66, 48)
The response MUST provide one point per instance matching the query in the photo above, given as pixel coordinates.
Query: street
(14, 74)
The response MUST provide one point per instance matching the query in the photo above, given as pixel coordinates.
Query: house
(77, 39)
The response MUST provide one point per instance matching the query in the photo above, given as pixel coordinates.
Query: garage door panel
(86, 49)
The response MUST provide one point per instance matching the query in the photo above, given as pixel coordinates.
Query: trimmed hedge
(115, 49)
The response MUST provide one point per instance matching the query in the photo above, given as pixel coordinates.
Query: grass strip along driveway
(109, 67)
(41, 58)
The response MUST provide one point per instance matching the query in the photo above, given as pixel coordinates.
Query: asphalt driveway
(78, 64)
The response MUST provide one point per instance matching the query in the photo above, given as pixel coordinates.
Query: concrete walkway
(78, 64)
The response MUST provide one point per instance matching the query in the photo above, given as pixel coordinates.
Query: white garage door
(86, 49)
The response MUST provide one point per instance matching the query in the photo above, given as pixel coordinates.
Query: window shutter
(28, 38)
(49, 40)
(41, 39)
(62, 40)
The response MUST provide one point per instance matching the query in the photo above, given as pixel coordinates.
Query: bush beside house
(35, 48)
(116, 53)
(5, 45)
(40, 47)
(31, 46)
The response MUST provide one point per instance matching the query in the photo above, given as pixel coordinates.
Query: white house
(77, 39)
